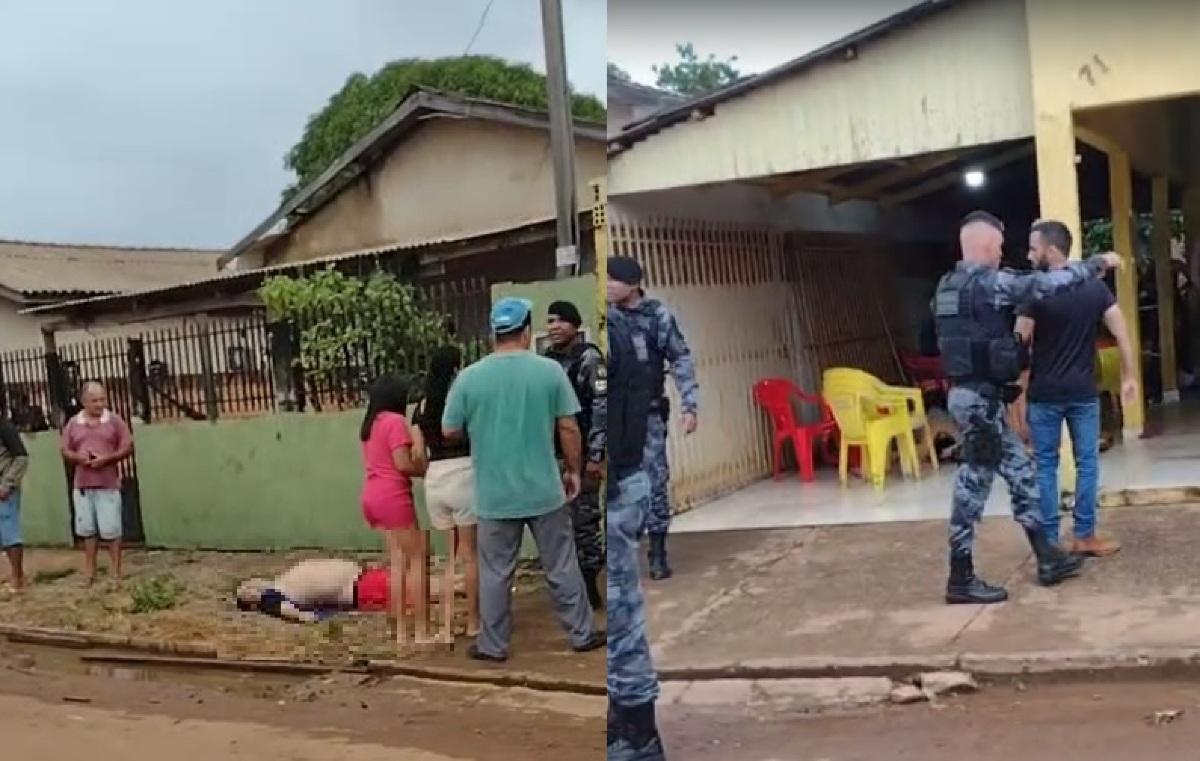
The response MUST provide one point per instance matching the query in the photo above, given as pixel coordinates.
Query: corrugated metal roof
(46, 270)
(659, 121)
(411, 111)
(233, 281)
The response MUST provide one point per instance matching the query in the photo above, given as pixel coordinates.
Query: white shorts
(98, 511)
(450, 493)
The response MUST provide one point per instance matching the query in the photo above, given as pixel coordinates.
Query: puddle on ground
(257, 684)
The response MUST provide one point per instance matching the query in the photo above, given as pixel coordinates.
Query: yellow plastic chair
(903, 401)
(863, 425)
(1108, 372)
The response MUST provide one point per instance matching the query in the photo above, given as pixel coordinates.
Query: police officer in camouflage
(974, 308)
(584, 365)
(632, 683)
(666, 347)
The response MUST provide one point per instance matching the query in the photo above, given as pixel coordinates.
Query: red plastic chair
(776, 395)
(926, 373)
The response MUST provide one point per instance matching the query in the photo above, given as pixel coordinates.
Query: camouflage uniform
(584, 365)
(989, 444)
(668, 348)
(631, 677)
(632, 681)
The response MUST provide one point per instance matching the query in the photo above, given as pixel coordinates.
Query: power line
(482, 20)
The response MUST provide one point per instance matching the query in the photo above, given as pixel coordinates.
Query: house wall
(18, 331)
(956, 79)
(450, 179)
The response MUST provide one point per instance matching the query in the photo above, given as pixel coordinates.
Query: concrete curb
(204, 655)
(1061, 663)
(1161, 497)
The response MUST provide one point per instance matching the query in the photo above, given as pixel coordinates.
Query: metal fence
(205, 369)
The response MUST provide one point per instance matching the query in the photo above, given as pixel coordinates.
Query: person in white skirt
(450, 480)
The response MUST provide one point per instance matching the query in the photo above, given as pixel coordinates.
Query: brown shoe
(1096, 546)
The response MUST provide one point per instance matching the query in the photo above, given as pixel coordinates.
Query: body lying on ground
(314, 589)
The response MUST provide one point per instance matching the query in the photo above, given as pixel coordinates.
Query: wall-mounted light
(974, 178)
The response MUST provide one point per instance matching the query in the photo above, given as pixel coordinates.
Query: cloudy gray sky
(761, 34)
(155, 122)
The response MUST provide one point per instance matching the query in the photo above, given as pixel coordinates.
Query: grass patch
(158, 593)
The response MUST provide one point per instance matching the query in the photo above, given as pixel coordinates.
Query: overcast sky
(165, 122)
(762, 34)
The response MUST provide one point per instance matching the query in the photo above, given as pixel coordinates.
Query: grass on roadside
(157, 593)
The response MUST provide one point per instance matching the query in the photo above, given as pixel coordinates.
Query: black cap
(565, 311)
(625, 270)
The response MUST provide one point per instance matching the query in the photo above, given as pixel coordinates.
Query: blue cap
(509, 314)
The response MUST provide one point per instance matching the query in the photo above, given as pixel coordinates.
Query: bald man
(95, 442)
(974, 307)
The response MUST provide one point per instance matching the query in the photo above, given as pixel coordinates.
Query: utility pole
(562, 139)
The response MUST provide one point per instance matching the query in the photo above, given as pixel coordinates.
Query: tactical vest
(630, 393)
(572, 363)
(647, 320)
(975, 338)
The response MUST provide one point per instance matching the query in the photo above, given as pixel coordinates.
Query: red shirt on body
(102, 437)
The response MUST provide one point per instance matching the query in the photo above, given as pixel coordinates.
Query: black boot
(965, 588)
(633, 734)
(1054, 564)
(593, 589)
(659, 569)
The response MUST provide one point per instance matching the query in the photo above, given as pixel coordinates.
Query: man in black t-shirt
(1062, 384)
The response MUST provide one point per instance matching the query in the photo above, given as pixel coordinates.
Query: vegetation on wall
(376, 325)
(364, 101)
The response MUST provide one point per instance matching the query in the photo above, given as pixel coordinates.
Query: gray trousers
(499, 548)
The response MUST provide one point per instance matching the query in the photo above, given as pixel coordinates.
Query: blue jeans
(1045, 426)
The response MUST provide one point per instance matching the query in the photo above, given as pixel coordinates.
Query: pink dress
(387, 500)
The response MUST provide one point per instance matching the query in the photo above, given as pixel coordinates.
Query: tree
(350, 327)
(616, 72)
(693, 76)
(364, 101)
(1098, 238)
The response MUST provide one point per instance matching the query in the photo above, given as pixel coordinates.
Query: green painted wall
(45, 511)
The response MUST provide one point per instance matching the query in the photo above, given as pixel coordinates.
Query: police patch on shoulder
(600, 384)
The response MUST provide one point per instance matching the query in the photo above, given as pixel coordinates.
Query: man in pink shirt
(95, 441)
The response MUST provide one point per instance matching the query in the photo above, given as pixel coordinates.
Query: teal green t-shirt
(509, 404)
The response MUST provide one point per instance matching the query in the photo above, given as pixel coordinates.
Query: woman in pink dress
(393, 454)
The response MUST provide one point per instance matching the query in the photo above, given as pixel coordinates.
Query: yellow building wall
(1091, 55)
(452, 178)
(958, 78)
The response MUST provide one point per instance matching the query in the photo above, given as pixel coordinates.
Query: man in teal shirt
(511, 403)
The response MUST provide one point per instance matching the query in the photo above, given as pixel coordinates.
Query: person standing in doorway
(95, 441)
(511, 403)
(666, 347)
(1062, 384)
(984, 358)
(632, 682)
(14, 460)
(584, 365)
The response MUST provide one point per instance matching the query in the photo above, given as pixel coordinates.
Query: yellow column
(600, 236)
(1058, 189)
(1121, 194)
(1165, 286)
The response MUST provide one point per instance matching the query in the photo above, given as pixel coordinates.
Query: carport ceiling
(897, 181)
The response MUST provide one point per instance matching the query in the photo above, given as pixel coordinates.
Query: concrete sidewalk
(797, 599)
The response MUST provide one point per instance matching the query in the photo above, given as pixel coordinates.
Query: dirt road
(124, 715)
(1098, 722)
